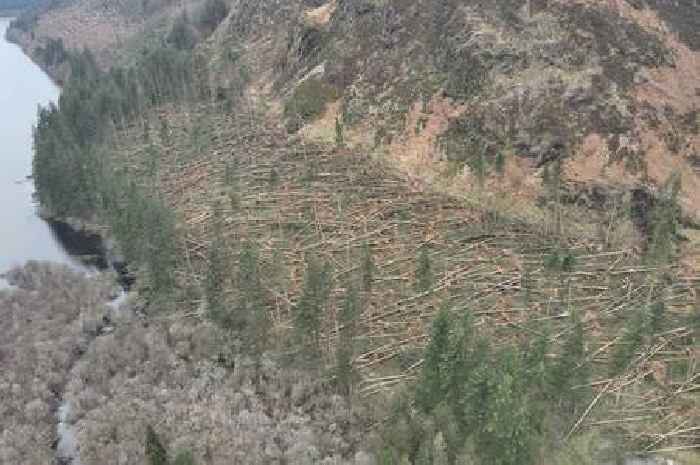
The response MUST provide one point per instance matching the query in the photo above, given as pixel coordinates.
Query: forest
(472, 334)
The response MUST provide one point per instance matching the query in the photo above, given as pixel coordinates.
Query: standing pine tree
(553, 187)
(182, 35)
(536, 365)
(424, 456)
(570, 375)
(664, 219)
(339, 139)
(546, 177)
(433, 383)
(460, 359)
(345, 349)
(508, 430)
(368, 267)
(424, 272)
(309, 309)
(657, 314)
(386, 457)
(164, 130)
(159, 235)
(499, 164)
(636, 326)
(552, 178)
(479, 166)
(216, 273)
(694, 320)
(251, 306)
(155, 451)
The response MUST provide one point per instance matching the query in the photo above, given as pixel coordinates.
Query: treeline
(95, 103)
(72, 165)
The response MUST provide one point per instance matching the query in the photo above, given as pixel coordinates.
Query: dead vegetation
(46, 322)
(293, 198)
(120, 373)
(167, 376)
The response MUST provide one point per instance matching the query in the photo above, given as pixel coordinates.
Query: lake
(23, 235)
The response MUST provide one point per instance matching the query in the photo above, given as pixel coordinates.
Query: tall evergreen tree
(536, 366)
(664, 219)
(155, 451)
(339, 139)
(499, 163)
(252, 301)
(309, 309)
(570, 375)
(345, 350)
(425, 451)
(158, 235)
(216, 272)
(510, 428)
(460, 357)
(424, 272)
(432, 386)
(657, 314)
(526, 285)
(479, 166)
(367, 268)
(632, 340)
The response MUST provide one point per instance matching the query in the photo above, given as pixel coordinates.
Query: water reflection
(23, 235)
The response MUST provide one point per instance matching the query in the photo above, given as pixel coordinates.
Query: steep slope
(505, 160)
(113, 31)
(597, 85)
(609, 88)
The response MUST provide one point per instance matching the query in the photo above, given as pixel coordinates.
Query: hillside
(473, 225)
(549, 84)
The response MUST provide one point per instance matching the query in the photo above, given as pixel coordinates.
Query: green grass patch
(307, 102)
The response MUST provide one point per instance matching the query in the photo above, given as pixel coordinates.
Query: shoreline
(80, 236)
(15, 36)
(84, 241)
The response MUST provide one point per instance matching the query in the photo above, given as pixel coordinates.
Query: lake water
(23, 86)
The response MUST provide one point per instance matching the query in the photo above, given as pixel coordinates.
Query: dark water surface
(23, 235)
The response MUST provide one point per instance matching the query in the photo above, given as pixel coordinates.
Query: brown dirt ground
(667, 87)
(321, 15)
